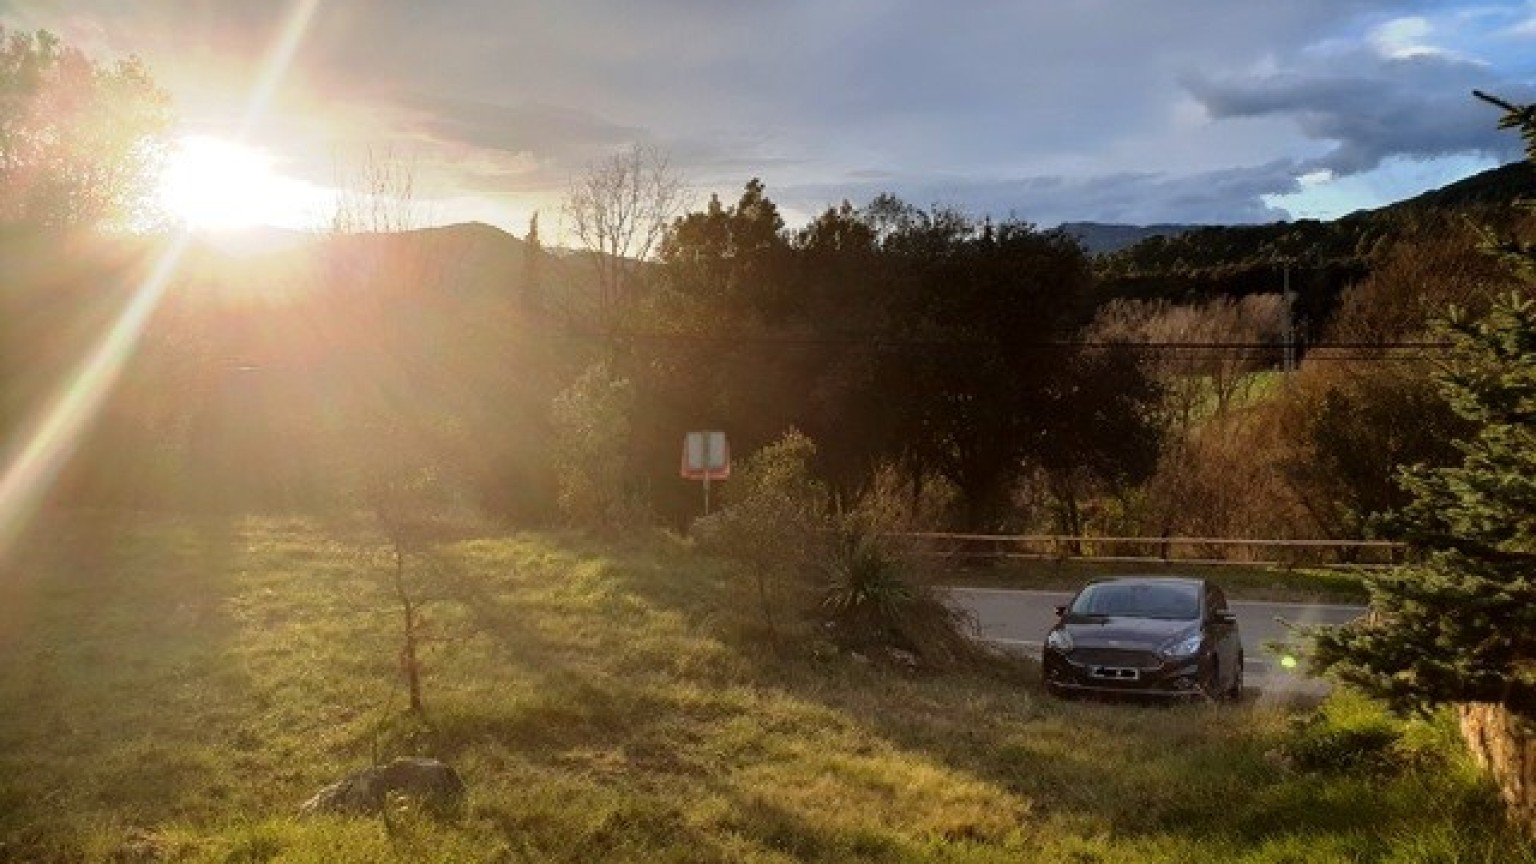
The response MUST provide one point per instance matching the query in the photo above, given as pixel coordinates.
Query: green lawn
(172, 691)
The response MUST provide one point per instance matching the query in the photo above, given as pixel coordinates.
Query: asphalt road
(1019, 620)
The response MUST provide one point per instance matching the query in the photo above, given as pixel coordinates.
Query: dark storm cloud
(1370, 108)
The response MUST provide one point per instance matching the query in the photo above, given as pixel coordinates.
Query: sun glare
(211, 184)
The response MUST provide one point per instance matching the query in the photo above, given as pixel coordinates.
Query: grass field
(173, 690)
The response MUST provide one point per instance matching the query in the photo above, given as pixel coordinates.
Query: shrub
(846, 571)
(1352, 734)
(591, 418)
(1221, 481)
(877, 604)
(1321, 745)
(772, 523)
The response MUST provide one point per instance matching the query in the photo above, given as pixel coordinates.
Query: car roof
(1154, 580)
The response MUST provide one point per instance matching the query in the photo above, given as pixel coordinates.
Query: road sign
(706, 455)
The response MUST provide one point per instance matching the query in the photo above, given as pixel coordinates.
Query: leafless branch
(619, 209)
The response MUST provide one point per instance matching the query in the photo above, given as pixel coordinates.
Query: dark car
(1148, 637)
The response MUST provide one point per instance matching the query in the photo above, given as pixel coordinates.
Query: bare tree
(396, 470)
(377, 195)
(618, 209)
(1203, 355)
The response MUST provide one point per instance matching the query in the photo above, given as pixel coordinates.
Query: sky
(1133, 111)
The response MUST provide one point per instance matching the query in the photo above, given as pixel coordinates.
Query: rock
(436, 785)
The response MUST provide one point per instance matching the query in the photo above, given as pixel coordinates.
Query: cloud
(1403, 37)
(1226, 196)
(995, 105)
(1368, 108)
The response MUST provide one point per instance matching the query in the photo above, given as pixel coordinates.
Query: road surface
(1019, 620)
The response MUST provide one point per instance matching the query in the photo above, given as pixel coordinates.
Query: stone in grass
(436, 785)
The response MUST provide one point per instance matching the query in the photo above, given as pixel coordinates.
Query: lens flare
(31, 471)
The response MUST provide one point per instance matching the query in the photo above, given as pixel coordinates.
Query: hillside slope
(1320, 258)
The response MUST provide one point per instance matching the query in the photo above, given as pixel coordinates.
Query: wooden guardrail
(1202, 550)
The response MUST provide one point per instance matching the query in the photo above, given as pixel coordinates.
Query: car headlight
(1187, 646)
(1060, 640)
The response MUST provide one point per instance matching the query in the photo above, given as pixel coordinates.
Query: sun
(213, 184)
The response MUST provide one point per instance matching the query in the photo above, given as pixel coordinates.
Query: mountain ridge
(1501, 185)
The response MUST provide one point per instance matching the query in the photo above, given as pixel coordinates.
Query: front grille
(1115, 657)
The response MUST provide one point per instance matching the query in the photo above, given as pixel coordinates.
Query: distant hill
(1101, 238)
(1321, 257)
(1496, 186)
(1488, 194)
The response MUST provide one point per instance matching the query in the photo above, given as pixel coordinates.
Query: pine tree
(533, 267)
(1458, 624)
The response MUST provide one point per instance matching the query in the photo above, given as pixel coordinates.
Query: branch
(1494, 100)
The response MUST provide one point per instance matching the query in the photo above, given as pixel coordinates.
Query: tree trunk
(1505, 745)
(408, 662)
(1069, 517)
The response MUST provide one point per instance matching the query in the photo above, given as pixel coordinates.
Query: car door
(1223, 629)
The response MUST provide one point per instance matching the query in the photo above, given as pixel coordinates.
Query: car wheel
(1235, 692)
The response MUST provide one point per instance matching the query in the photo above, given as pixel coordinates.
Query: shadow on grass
(119, 688)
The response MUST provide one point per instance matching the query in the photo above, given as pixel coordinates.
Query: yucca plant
(876, 603)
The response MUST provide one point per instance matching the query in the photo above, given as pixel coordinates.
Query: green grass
(1241, 581)
(172, 691)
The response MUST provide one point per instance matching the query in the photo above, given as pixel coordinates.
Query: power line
(1333, 349)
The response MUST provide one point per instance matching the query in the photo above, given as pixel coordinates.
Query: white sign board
(706, 454)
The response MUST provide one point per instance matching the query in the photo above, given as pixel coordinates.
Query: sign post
(707, 457)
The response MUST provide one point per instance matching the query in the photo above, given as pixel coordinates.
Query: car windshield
(1170, 600)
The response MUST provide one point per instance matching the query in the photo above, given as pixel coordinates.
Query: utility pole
(1289, 361)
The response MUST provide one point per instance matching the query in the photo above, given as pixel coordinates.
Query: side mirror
(1061, 610)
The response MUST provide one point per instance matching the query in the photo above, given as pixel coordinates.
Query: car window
(1169, 600)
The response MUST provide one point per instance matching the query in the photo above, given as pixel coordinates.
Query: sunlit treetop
(80, 142)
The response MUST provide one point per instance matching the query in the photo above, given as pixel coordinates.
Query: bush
(877, 605)
(592, 427)
(773, 521)
(1322, 746)
(1221, 481)
(1351, 734)
(896, 500)
(845, 571)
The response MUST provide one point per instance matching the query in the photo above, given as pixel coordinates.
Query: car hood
(1125, 632)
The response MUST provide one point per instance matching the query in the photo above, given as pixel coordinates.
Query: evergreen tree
(533, 267)
(1459, 623)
